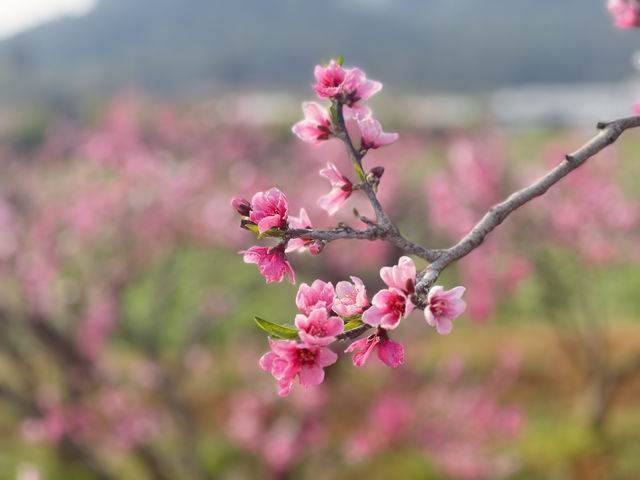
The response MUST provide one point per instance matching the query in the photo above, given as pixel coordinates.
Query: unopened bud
(376, 171)
(242, 206)
(316, 247)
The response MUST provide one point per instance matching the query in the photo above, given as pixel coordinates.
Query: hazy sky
(16, 15)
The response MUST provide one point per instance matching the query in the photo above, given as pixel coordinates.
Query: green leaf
(340, 60)
(353, 322)
(360, 172)
(272, 232)
(280, 332)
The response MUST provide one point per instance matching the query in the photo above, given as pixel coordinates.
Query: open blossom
(349, 85)
(625, 12)
(269, 210)
(401, 276)
(372, 135)
(289, 359)
(316, 126)
(341, 188)
(318, 328)
(388, 307)
(443, 307)
(302, 222)
(351, 298)
(272, 262)
(319, 295)
(391, 353)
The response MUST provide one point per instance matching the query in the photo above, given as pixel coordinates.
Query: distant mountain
(169, 46)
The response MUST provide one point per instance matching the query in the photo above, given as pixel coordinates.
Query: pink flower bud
(242, 206)
(316, 247)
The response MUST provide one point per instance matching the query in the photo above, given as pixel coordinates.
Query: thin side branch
(609, 133)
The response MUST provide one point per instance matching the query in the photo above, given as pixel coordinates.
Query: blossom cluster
(329, 313)
(326, 311)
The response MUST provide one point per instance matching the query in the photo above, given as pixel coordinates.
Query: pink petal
(444, 326)
(391, 353)
(311, 375)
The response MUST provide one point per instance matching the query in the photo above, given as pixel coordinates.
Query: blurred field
(130, 209)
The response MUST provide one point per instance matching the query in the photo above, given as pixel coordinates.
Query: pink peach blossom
(443, 307)
(302, 222)
(358, 87)
(401, 276)
(316, 126)
(391, 353)
(319, 295)
(269, 210)
(351, 298)
(348, 85)
(389, 306)
(373, 136)
(289, 359)
(341, 188)
(318, 328)
(272, 262)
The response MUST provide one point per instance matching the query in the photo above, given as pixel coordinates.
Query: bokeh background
(127, 345)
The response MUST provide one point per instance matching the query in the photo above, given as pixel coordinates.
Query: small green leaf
(360, 171)
(353, 322)
(277, 331)
(272, 232)
(340, 60)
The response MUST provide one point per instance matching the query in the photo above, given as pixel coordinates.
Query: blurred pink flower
(269, 210)
(319, 295)
(373, 136)
(625, 12)
(316, 126)
(272, 262)
(341, 188)
(443, 307)
(351, 298)
(289, 359)
(318, 328)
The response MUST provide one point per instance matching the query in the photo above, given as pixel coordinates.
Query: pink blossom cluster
(280, 437)
(267, 214)
(317, 328)
(456, 421)
(626, 13)
(346, 87)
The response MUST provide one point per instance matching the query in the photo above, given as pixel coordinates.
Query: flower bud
(377, 171)
(316, 247)
(242, 206)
